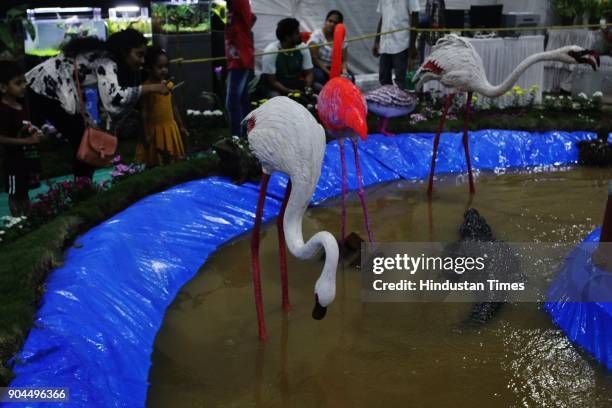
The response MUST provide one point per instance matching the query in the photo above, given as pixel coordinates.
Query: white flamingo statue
(285, 137)
(456, 64)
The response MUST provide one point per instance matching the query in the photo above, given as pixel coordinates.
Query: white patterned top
(325, 51)
(54, 79)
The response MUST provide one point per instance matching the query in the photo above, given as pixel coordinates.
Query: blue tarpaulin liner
(588, 324)
(96, 326)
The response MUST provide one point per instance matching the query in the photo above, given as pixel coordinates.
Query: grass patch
(27, 261)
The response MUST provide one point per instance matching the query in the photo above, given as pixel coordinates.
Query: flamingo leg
(449, 101)
(364, 205)
(344, 190)
(255, 257)
(282, 251)
(383, 127)
(466, 145)
(430, 219)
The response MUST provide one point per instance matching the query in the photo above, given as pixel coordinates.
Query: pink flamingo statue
(389, 101)
(286, 137)
(456, 64)
(342, 110)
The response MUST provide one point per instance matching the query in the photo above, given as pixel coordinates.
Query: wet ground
(207, 353)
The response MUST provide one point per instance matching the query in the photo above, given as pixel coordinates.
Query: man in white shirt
(291, 71)
(395, 49)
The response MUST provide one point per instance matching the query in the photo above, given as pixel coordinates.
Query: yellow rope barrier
(418, 30)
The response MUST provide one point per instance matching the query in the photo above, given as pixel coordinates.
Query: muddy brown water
(207, 353)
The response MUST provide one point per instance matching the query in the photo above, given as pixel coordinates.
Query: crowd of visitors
(50, 89)
(129, 75)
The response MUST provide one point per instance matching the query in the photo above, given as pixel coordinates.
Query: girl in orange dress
(160, 141)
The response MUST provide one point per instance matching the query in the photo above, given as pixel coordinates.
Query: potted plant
(593, 10)
(567, 10)
(11, 33)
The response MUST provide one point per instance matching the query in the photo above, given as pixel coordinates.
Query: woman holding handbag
(113, 66)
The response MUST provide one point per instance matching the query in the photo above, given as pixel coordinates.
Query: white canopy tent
(360, 18)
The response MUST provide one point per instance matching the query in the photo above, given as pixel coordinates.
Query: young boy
(18, 138)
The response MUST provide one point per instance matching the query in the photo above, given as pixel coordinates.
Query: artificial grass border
(27, 261)
(528, 120)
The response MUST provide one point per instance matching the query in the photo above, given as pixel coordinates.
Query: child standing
(19, 137)
(162, 127)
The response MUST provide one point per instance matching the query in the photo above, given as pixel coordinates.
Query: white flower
(218, 113)
(598, 95)
(2, 232)
(582, 95)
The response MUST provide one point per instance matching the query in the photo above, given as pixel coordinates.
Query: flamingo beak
(318, 312)
(587, 57)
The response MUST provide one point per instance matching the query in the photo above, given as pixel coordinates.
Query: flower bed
(556, 112)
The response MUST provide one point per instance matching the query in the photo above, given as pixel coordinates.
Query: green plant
(11, 32)
(593, 8)
(606, 6)
(566, 8)
(140, 25)
(181, 17)
(219, 8)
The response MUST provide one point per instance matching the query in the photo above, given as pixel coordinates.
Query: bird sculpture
(389, 101)
(456, 64)
(342, 109)
(285, 137)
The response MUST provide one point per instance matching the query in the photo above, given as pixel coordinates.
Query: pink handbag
(97, 146)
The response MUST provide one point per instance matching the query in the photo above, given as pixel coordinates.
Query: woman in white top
(322, 54)
(112, 66)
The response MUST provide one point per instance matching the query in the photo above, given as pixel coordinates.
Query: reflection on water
(207, 353)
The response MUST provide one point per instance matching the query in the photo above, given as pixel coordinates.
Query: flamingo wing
(342, 107)
(285, 137)
(452, 53)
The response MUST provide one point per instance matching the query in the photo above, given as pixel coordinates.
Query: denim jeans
(237, 97)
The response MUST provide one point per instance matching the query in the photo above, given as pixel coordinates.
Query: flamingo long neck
(336, 66)
(296, 207)
(494, 91)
